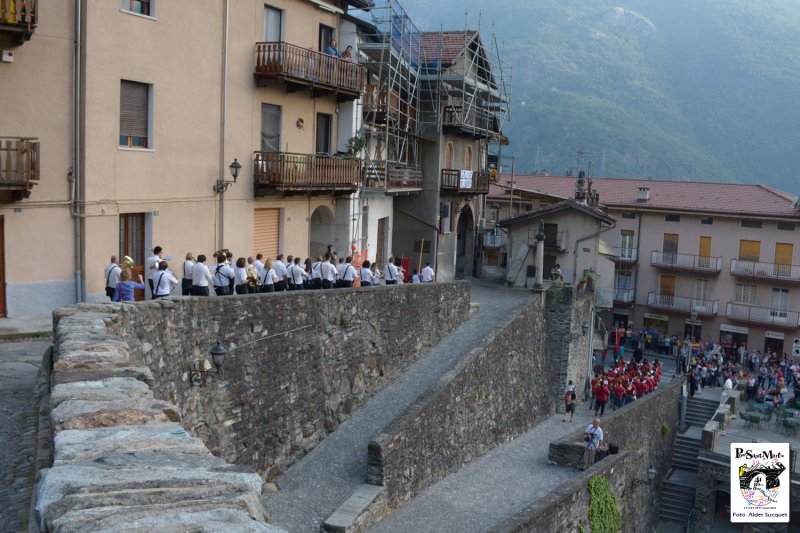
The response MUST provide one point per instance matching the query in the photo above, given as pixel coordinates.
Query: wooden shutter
(783, 253)
(266, 232)
(133, 109)
(750, 250)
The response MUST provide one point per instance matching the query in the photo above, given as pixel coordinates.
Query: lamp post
(222, 185)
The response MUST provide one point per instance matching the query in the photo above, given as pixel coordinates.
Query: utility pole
(511, 207)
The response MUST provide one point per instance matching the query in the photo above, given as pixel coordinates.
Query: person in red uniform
(619, 395)
(601, 397)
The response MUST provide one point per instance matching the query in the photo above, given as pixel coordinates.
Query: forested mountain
(678, 89)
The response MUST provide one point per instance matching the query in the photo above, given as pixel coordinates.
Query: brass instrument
(224, 252)
(127, 263)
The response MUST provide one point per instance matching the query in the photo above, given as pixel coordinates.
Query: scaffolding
(392, 54)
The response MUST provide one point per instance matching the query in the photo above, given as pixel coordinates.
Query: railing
(554, 242)
(492, 241)
(302, 171)
(392, 176)
(623, 295)
(19, 163)
(763, 315)
(18, 15)
(626, 255)
(284, 60)
(475, 181)
(755, 269)
(682, 304)
(696, 263)
(473, 117)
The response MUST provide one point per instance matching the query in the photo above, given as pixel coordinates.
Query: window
(326, 35)
(779, 300)
(629, 214)
(750, 223)
(134, 114)
(707, 220)
(140, 7)
(745, 294)
(701, 289)
(324, 128)
(786, 226)
(624, 280)
(750, 250)
(672, 218)
(448, 156)
(670, 250)
(468, 158)
(270, 128)
(273, 25)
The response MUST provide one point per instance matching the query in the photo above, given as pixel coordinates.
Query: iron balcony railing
(682, 304)
(626, 255)
(693, 263)
(763, 315)
(296, 64)
(770, 271)
(465, 181)
(623, 295)
(392, 176)
(492, 241)
(19, 165)
(304, 172)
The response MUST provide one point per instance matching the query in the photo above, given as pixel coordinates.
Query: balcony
(554, 240)
(19, 166)
(465, 181)
(392, 178)
(767, 271)
(682, 304)
(764, 316)
(388, 107)
(288, 174)
(685, 262)
(625, 255)
(623, 296)
(303, 68)
(470, 121)
(492, 242)
(18, 19)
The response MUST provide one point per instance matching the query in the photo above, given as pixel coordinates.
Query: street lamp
(222, 185)
(218, 354)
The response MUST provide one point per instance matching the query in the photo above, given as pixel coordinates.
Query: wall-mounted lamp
(218, 354)
(222, 185)
(651, 475)
(585, 328)
(199, 368)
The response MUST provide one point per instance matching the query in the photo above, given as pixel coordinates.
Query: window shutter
(133, 104)
(266, 231)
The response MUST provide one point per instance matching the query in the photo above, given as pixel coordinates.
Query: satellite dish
(796, 202)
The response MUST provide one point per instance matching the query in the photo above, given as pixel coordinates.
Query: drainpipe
(223, 121)
(75, 174)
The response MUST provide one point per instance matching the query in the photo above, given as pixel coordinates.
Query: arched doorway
(465, 238)
(321, 231)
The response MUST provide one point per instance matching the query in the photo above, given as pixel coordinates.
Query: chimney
(580, 188)
(644, 194)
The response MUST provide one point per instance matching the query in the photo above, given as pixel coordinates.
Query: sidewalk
(25, 327)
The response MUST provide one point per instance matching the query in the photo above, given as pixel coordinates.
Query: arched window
(468, 158)
(448, 156)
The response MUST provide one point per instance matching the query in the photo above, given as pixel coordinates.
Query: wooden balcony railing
(392, 177)
(770, 271)
(19, 165)
(18, 17)
(687, 262)
(465, 181)
(471, 118)
(682, 304)
(762, 315)
(281, 172)
(306, 67)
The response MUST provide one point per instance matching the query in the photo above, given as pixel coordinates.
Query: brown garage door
(266, 232)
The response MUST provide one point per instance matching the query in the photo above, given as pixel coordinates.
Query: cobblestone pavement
(490, 489)
(19, 363)
(315, 486)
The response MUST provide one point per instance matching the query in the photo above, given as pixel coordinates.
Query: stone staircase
(686, 448)
(677, 496)
(700, 410)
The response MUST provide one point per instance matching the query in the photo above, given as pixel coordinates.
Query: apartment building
(718, 261)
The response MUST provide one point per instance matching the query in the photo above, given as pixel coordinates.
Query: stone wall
(500, 390)
(315, 357)
(567, 345)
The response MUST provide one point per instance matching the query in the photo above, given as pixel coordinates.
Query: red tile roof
(450, 43)
(704, 197)
(549, 209)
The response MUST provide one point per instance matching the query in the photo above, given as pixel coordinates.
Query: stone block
(93, 370)
(721, 415)
(709, 436)
(85, 414)
(351, 515)
(102, 390)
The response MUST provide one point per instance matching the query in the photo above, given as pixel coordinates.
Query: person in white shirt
(316, 273)
(416, 278)
(151, 265)
(186, 281)
(280, 270)
(201, 277)
(223, 277)
(401, 273)
(427, 273)
(390, 272)
(240, 276)
(340, 272)
(268, 280)
(163, 281)
(349, 273)
(259, 264)
(287, 274)
(593, 435)
(111, 273)
(328, 272)
(296, 275)
(366, 275)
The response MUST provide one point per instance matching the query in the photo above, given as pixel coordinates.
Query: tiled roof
(451, 44)
(549, 209)
(703, 197)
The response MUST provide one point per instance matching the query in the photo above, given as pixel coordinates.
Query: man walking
(569, 402)
(593, 435)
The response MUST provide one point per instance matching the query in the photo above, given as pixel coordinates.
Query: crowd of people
(251, 275)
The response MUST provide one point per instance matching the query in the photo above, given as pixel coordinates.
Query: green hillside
(685, 89)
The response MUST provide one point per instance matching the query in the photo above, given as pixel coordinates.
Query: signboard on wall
(465, 179)
(774, 335)
(654, 316)
(734, 329)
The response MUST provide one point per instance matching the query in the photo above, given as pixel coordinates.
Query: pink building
(715, 260)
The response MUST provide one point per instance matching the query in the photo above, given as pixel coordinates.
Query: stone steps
(676, 501)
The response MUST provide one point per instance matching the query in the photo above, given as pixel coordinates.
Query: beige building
(719, 261)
